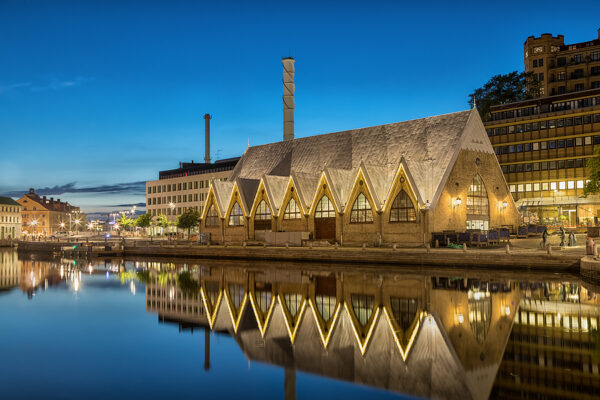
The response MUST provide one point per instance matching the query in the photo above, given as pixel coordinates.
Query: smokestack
(207, 118)
(288, 98)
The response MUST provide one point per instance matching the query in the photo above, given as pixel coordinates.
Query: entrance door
(325, 219)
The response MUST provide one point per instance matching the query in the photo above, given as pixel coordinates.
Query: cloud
(136, 188)
(52, 84)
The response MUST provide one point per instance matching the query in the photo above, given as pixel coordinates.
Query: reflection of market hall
(417, 334)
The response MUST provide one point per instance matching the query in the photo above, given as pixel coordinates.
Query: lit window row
(9, 209)
(543, 186)
(547, 145)
(573, 322)
(152, 201)
(545, 165)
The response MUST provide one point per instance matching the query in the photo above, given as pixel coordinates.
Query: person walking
(544, 237)
(563, 236)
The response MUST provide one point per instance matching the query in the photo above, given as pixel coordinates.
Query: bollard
(394, 247)
(245, 244)
(549, 249)
(437, 244)
(311, 245)
(465, 247)
(287, 245)
(428, 247)
(507, 249)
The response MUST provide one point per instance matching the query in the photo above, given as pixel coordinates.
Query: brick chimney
(207, 118)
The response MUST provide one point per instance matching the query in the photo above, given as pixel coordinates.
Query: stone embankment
(518, 256)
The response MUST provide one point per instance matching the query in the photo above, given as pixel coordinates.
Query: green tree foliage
(503, 89)
(187, 283)
(592, 186)
(125, 222)
(143, 221)
(188, 220)
(162, 221)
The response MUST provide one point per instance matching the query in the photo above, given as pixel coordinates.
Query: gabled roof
(428, 146)
(7, 201)
(275, 188)
(341, 184)
(247, 189)
(306, 185)
(222, 191)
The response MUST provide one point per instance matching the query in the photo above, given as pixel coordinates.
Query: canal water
(145, 329)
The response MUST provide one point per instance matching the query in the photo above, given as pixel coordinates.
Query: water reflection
(428, 334)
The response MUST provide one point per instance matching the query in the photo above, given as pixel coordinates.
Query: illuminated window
(536, 187)
(404, 310)
(552, 185)
(480, 313)
(528, 187)
(361, 211)
(236, 293)
(478, 208)
(263, 299)
(325, 306)
(212, 218)
(324, 208)
(571, 184)
(363, 307)
(579, 184)
(562, 185)
(293, 301)
(520, 188)
(292, 211)
(236, 217)
(403, 209)
(262, 211)
(513, 188)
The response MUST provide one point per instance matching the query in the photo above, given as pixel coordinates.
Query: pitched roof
(428, 146)
(7, 201)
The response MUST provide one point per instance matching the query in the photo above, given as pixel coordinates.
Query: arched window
(361, 211)
(236, 217)
(212, 218)
(325, 208)
(404, 311)
(262, 211)
(478, 206)
(363, 307)
(403, 209)
(292, 211)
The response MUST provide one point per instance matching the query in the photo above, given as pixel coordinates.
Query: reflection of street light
(62, 225)
(77, 222)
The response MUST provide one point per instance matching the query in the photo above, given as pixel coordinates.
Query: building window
(404, 311)
(292, 211)
(478, 209)
(212, 218)
(579, 87)
(403, 209)
(361, 211)
(363, 307)
(236, 217)
(325, 208)
(480, 313)
(262, 211)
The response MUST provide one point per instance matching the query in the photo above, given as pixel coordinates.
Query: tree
(162, 221)
(188, 220)
(592, 186)
(503, 89)
(125, 222)
(143, 221)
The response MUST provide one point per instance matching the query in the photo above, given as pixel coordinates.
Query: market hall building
(394, 183)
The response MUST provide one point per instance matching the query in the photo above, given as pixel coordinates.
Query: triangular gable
(291, 183)
(329, 191)
(379, 180)
(275, 187)
(403, 171)
(342, 181)
(363, 334)
(361, 184)
(247, 190)
(210, 308)
(222, 191)
(306, 185)
(325, 328)
(262, 319)
(258, 197)
(404, 348)
(292, 323)
(236, 313)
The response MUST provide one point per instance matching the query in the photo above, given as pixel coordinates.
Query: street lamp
(77, 222)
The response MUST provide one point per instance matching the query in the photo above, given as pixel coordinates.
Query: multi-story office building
(10, 218)
(563, 68)
(543, 146)
(186, 187)
(43, 216)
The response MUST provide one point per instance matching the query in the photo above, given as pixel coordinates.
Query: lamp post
(172, 207)
(77, 222)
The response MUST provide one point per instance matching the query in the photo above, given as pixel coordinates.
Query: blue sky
(98, 93)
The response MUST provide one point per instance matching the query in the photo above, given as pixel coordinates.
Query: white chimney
(288, 98)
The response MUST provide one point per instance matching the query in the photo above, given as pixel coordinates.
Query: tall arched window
(478, 206)
(325, 208)
(403, 209)
(212, 218)
(361, 211)
(236, 217)
(292, 211)
(262, 211)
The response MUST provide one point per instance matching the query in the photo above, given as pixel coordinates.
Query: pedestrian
(572, 241)
(563, 236)
(544, 237)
